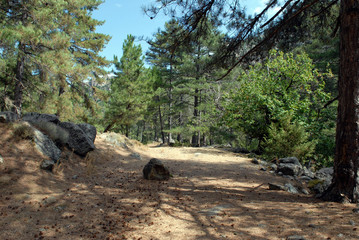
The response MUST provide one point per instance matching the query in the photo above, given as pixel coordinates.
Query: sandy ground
(214, 194)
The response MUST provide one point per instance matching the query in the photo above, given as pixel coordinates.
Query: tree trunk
(345, 182)
(170, 98)
(161, 122)
(19, 84)
(60, 102)
(195, 137)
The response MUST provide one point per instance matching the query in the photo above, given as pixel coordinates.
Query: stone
(289, 169)
(78, 140)
(45, 145)
(292, 160)
(1, 160)
(273, 167)
(296, 237)
(155, 170)
(89, 130)
(325, 173)
(47, 164)
(308, 173)
(34, 117)
(7, 116)
(356, 210)
(255, 161)
(290, 188)
(275, 187)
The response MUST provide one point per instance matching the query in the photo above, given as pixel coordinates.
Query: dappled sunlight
(213, 194)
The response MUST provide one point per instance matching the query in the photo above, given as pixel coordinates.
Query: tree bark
(195, 137)
(19, 84)
(161, 121)
(345, 182)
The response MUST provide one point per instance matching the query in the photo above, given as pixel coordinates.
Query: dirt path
(213, 194)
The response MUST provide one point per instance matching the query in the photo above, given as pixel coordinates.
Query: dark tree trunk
(345, 183)
(195, 137)
(170, 98)
(127, 131)
(161, 122)
(110, 126)
(19, 84)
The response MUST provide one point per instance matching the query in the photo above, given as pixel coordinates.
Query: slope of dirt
(213, 194)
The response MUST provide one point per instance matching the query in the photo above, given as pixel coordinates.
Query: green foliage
(288, 138)
(22, 131)
(283, 85)
(52, 49)
(130, 90)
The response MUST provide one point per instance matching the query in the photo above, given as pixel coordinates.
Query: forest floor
(214, 194)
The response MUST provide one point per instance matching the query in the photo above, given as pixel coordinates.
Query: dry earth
(214, 194)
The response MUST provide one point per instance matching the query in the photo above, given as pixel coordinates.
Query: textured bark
(345, 181)
(19, 84)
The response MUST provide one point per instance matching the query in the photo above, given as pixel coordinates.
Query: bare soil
(214, 194)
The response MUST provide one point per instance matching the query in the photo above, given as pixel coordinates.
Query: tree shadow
(104, 196)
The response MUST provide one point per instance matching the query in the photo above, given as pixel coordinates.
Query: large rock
(290, 166)
(89, 130)
(35, 118)
(45, 145)
(292, 160)
(78, 140)
(155, 170)
(6, 117)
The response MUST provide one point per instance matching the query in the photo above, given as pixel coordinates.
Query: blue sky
(123, 17)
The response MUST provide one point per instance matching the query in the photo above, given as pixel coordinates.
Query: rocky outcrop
(89, 130)
(50, 135)
(6, 117)
(155, 170)
(46, 146)
(78, 140)
(38, 118)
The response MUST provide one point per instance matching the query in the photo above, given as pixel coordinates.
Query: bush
(23, 131)
(287, 138)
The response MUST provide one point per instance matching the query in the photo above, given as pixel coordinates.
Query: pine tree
(51, 43)
(129, 91)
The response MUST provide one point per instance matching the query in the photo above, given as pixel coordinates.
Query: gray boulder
(290, 166)
(89, 130)
(34, 117)
(45, 145)
(155, 170)
(308, 173)
(47, 164)
(325, 173)
(289, 169)
(78, 140)
(292, 160)
(324, 179)
(6, 117)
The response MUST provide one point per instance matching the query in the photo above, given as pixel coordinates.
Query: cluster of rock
(292, 169)
(51, 135)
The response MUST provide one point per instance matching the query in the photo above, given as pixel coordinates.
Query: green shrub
(288, 138)
(23, 131)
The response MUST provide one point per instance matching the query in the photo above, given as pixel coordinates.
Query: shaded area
(213, 195)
